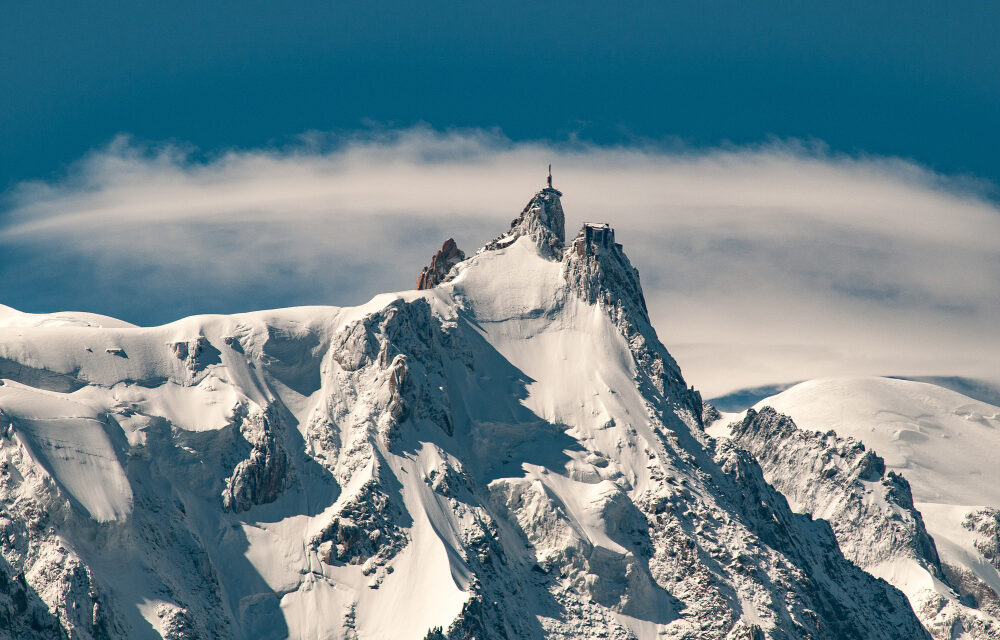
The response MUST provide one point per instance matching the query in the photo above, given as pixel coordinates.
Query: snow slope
(511, 454)
(71, 441)
(12, 318)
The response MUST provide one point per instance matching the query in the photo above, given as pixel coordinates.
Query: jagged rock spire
(441, 264)
(598, 270)
(545, 210)
(602, 271)
(543, 220)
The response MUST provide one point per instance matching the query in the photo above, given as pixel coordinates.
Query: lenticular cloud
(760, 265)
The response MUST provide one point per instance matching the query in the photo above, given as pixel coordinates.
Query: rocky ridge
(441, 264)
(542, 220)
(873, 517)
(985, 525)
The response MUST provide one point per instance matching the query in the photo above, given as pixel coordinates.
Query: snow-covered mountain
(906, 473)
(511, 453)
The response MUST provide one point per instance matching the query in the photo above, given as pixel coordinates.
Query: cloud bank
(760, 265)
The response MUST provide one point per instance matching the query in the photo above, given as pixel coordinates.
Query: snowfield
(70, 440)
(510, 454)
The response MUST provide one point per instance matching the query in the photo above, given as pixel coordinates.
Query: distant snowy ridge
(509, 454)
(931, 544)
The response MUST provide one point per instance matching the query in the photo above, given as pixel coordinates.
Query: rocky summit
(508, 451)
(441, 264)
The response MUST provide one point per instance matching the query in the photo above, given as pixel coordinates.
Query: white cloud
(760, 265)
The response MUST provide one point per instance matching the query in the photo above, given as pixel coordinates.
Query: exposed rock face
(398, 352)
(598, 270)
(986, 523)
(842, 476)
(985, 526)
(870, 510)
(602, 272)
(542, 220)
(441, 263)
(196, 354)
(365, 530)
(261, 477)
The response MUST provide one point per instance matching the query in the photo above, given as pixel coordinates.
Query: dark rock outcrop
(262, 476)
(366, 529)
(601, 272)
(441, 264)
(197, 353)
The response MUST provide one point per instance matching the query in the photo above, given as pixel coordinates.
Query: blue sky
(911, 79)
(829, 171)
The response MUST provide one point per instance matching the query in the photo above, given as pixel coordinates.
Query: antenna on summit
(550, 176)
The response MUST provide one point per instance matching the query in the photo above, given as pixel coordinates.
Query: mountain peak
(545, 208)
(603, 270)
(514, 454)
(441, 263)
(543, 220)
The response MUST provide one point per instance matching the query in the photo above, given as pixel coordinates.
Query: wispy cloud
(760, 265)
